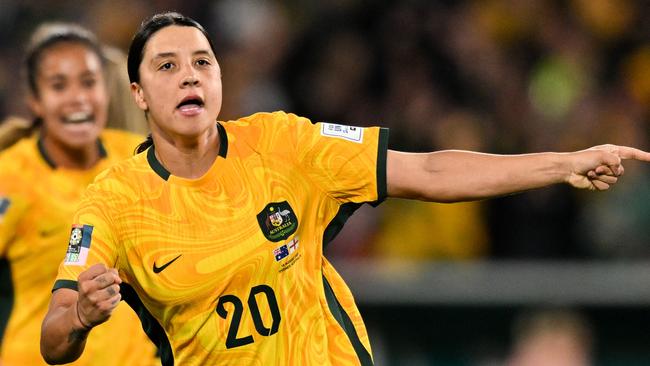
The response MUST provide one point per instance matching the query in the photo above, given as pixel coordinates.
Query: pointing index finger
(626, 152)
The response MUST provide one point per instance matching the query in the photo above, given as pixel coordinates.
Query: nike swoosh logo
(161, 268)
(47, 232)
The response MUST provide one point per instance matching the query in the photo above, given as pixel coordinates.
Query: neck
(187, 158)
(84, 157)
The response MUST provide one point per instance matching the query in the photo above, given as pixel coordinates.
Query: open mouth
(190, 102)
(78, 117)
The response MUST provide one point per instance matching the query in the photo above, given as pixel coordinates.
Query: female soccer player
(216, 230)
(42, 179)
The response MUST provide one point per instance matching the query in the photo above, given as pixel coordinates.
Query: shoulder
(21, 166)
(20, 157)
(264, 132)
(275, 119)
(267, 125)
(122, 178)
(21, 147)
(120, 143)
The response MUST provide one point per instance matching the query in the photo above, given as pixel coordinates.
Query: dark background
(498, 76)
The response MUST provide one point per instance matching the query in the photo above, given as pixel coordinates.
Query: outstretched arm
(72, 314)
(453, 175)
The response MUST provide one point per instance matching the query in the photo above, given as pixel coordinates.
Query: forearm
(63, 338)
(453, 175)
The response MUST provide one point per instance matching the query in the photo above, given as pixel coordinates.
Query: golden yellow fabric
(231, 265)
(34, 232)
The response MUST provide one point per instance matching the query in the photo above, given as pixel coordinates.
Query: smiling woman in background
(41, 180)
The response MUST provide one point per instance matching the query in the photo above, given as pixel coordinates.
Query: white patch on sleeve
(350, 133)
(76, 259)
(78, 246)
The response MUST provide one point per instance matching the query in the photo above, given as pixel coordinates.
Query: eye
(89, 83)
(166, 66)
(57, 86)
(202, 62)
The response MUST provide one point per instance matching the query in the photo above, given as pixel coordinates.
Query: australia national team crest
(277, 221)
(79, 245)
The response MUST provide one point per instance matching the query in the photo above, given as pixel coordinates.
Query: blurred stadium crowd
(502, 76)
(499, 76)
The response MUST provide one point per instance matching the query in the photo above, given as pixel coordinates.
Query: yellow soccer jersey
(37, 203)
(228, 269)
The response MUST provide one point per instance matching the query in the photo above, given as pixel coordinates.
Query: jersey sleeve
(12, 209)
(14, 203)
(92, 237)
(347, 162)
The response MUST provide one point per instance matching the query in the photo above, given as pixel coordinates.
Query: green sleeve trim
(70, 284)
(382, 153)
(347, 209)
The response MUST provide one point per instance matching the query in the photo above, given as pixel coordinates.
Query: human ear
(35, 105)
(138, 96)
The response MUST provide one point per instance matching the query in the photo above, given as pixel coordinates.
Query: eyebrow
(55, 78)
(172, 54)
(59, 76)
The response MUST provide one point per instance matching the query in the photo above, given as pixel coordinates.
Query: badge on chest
(277, 221)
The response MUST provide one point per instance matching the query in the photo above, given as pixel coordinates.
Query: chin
(78, 144)
(80, 140)
(195, 129)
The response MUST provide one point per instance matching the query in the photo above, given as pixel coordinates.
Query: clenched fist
(99, 294)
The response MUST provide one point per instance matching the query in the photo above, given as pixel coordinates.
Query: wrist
(562, 167)
(82, 324)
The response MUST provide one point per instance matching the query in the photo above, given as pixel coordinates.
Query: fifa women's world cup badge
(277, 221)
(79, 245)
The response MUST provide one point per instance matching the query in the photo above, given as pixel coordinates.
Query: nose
(190, 80)
(77, 94)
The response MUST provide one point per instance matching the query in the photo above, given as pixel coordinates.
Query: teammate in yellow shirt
(41, 181)
(215, 232)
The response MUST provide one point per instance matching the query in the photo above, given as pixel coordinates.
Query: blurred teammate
(122, 113)
(552, 338)
(216, 231)
(41, 181)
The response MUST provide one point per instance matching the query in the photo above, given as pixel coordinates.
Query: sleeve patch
(350, 133)
(79, 245)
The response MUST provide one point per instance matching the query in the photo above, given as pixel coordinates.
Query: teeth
(77, 117)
